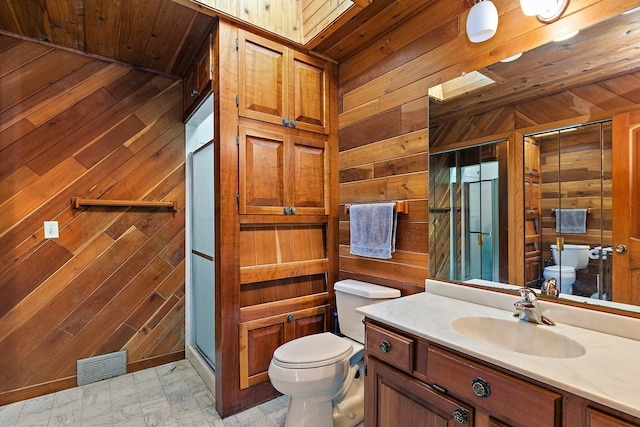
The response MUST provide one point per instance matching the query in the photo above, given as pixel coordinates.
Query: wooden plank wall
(384, 141)
(73, 126)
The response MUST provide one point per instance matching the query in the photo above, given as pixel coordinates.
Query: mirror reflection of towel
(572, 221)
(373, 230)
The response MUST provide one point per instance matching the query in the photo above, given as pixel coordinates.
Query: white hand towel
(571, 221)
(373, 230)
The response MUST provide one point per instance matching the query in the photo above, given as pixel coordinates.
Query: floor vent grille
(101, 367)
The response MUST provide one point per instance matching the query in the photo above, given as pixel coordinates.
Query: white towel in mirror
(571, 221)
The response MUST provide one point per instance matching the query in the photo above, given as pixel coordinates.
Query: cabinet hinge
(440, 389)
(365, 370)
(238, 140)
(237, 100)
(238, 199)
(237, 44)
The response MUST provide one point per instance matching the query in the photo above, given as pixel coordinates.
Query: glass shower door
(479, 221)
(202, 254)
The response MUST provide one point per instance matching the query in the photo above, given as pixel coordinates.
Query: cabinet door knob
(385, 347)
(285, 210)
(292, 124)
(285, 122)
(194, 94)
(460, 416)
(292, 210)
(481, 387)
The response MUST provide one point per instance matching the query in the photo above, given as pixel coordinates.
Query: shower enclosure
(466, 213)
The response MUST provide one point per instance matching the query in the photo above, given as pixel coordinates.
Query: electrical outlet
(51, 230)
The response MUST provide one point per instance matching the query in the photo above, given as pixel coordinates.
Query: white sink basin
(518, 336)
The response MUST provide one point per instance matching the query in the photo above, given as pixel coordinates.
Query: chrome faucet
(527, 309)
(550, 288)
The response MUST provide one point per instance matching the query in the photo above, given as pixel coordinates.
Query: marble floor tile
(171, 395)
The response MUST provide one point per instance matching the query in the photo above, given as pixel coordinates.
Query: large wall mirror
(536, 145)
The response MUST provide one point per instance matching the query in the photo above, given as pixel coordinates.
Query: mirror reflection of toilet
(324, 373)
(572, 258)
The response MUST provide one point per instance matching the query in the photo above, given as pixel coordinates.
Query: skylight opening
(460, 86)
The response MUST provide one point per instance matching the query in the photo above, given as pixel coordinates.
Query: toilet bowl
(570, 259)
(324, 373)
(565, 277)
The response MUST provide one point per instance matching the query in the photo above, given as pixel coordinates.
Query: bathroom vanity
(436, 360)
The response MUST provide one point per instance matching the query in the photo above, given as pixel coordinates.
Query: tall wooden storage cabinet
(277, 228)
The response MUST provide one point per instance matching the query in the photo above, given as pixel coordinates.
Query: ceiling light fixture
(566, 36)
(512, 57)
(546, 10)
(553, 10)
(634, 10)
(535, 7)
(482, 21)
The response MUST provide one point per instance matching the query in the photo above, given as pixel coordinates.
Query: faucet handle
(528, 295)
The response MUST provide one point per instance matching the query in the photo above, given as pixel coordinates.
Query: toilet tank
(576, 256)
(351, 294)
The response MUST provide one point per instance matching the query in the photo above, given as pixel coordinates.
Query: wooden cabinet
(411, 381)
(282, 86)
(396, 399)
(197, 80)
(259, 339)
(441, 388)
(282, 173)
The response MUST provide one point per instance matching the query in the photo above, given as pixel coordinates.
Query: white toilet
(324, 373)
(574, 257)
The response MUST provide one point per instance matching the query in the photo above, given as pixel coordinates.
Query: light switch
(51, 230)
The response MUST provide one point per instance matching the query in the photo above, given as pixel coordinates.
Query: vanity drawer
(500, 394)
(390, 347)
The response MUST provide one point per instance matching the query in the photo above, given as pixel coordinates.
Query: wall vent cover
(101, 367)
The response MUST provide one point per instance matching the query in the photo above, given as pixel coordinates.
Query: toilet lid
(312, 351)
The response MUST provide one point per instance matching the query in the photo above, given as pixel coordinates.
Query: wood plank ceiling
(163, 35)
(160, 35)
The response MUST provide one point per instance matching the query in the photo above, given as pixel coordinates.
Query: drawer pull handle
(481, 387)
(460, 416)
(385, 347)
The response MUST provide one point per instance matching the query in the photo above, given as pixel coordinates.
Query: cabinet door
(596, 418)
(308, 93)
(190, 88)
(262, 78)
(262, 171)
(204, 67)
(260, 338)
(309, 176)
(395, 399)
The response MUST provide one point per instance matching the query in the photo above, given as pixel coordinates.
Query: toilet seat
(557, 269)
(312, 351)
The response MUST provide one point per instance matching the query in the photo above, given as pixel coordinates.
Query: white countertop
(608, 373)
